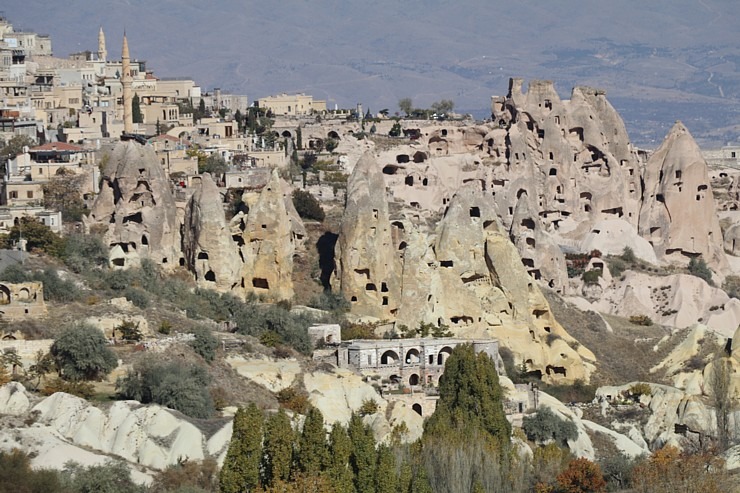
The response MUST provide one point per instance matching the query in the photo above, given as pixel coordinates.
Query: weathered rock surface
(612, 236)
(678, 214)
(137, 208)
(209, 251)
(368, 266)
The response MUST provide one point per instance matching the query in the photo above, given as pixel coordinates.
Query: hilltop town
(277, 257)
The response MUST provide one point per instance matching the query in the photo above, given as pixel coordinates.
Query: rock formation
(678, 215)
(137, 208)
(266, 244)
(367, 260)
(209, 251)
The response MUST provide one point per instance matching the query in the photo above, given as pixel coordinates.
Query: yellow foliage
(4, 375)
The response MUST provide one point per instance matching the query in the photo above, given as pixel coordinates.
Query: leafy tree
(136, 115)
(277, 454)
(299, 138)
(720, 386)
(628, 255)
(470, 398)
(331, 144)
(386, 479)
(406, 105)
(16, 475)
(547, 462)
(241, 469)
(81, 353)
(545, 425)
(213, 164)
(443, 107)
(313, 454)
(668, 470)
(363, 457)
(340, 451)
(84, 252)
(37, 235)
(62, 193)
(13, 147)
(111, 477)
(581, 476)
(395, 130)
(205, 344)
(174, 384)
(302, 484)
(698, 267)
(307, 206)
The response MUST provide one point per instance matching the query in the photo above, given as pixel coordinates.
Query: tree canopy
(81, 353)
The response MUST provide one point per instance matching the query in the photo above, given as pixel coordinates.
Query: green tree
(13, 147)
(470, 398)
(205, 344)
(313, 454)
(62, 193)
(241, 469)
(406, 105)
(174, 384)
(386, 479)
(395, 130)
(136, 115)
(545, 425)
(84, 252)
(277, 455)
(299, 138)
(340, 451)
(81, 353)
(443, 107)
(37, 235)
(213, 164)
(307, 206)
(363, 455)
(16, 475)
(698, 267)
(111, 477)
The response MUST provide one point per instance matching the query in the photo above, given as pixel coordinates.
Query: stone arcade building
(410, 362)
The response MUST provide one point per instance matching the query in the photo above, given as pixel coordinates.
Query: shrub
(16, 475)
(138, 297)
(187, 476)
(111, 477)
(639, 389)
(628, 255)
(80, 389)
(369, 406)
(83, 252)
(174, 384)
(165, 327)
(591, 276)
(307, 206)
(329, 301)
(643, 320)
(617, 266)
(205, 344)
(698, 267)
(732, 286)
(545, 425)
(293, 399)
(81, 353)
(581, 475)
(129, 331)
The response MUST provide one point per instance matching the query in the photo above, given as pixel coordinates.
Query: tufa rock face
(137, 208)
(266, 245)
(367, 263)
(209, 251)
(678, 215)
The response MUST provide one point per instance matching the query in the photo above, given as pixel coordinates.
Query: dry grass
(624, 355)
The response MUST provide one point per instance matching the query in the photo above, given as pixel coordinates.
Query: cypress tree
(136, 116)
(241, 469)
(340, 450)
(299, 138)
(278, 449)
(362, 459)
(313, 454)
(386, 480)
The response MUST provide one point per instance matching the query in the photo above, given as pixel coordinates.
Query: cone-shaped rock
(367, 262)
(678, 214)
(208, 248)
(137, 208)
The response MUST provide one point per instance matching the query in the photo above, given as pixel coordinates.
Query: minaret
(128, 123)
(102, 52)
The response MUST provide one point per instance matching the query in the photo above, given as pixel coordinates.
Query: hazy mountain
(659, 61)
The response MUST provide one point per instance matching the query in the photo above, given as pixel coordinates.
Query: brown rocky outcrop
(678, 215)
(137, 208)
(208, 248)
(367, 261)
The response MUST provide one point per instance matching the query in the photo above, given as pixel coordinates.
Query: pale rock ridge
(138, 209)
(678, 213)
(208, 249)
(266, 244)
(367, 262)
